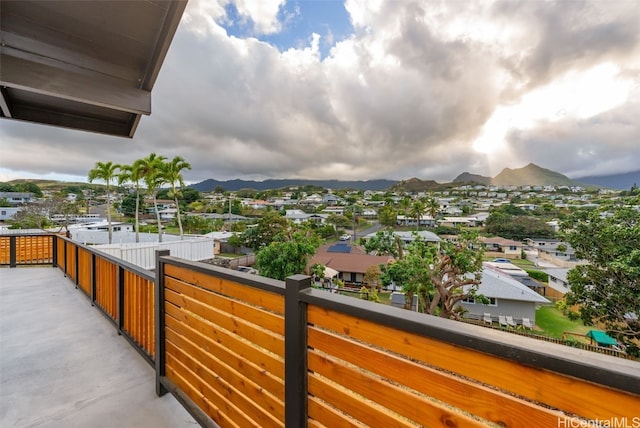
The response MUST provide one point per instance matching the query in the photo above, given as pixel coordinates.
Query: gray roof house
(16, 198)
(508, 297)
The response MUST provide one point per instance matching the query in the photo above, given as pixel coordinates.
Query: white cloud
(410, 93)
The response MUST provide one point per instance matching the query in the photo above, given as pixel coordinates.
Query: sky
(367, 89)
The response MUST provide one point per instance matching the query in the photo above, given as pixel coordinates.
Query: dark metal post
(93, 279)
(55, 250)
(120, 298)
(159, 322)
(77, 265)
(295, 352)
(13, 251)
(66, 256)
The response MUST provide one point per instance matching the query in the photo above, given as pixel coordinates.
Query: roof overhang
(87, 65)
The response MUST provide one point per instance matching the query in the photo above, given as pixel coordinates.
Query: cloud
(407, 94)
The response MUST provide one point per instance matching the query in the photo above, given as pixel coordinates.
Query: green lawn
(554, 323)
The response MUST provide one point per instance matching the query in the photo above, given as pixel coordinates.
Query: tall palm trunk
(109, 215)
(155, 205)
(175, 198)
(137, 209)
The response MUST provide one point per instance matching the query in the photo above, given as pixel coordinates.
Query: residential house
(17, 198)
(501, 247)
(507, 297)
(408, 237)
(299, 216)
(7, 213)
(558, 284)
(425, 221)
(350, 261)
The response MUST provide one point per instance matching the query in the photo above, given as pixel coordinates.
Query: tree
(287, 256)
(265, 232)
(432, 206)
(172, 174)
(387, 216)
(517, 227)
(150, 171)
(317, 270)
(133, 173)
(440, 276)
(417, 209)
(384, 243)
(607, 290)
(29, 187)
(105, 171)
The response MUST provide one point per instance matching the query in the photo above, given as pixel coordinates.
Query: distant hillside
(616, 181)
(467, 177)
(415, 185)
(235, 185)
(531, 174)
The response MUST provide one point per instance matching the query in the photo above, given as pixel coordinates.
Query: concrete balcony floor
(62, 363)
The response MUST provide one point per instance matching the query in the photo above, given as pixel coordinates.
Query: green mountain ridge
(531, 175)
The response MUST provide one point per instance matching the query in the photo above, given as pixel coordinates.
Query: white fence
(144, 254)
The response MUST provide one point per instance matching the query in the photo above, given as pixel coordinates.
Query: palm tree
(417, 209)
(105, 171)
(432, 206)
(133, 174)
(151, 173)
(171, 172)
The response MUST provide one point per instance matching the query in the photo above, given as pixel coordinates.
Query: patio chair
(526, 323)
(487, 318)
(511, 322)
(502, 321)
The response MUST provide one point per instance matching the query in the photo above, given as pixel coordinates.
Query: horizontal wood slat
(236, 379)
(267, 320)
(266, 360)
(260, 298)
(251, 332)
(192, 388)
(400, 400)
(216, 381)
(354, 405)
(323, 415)
(571, 395)
(176, 331)
(489, 404)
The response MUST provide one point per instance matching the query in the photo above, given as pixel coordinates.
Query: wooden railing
(347, 362)
(123, 292)
(26, 249)
(241, 350)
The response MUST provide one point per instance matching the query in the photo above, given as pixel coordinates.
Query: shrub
(538, 275)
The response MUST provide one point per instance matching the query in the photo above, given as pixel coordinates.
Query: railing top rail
(258, 282)
(603, 369)
(144, 273)
(25, 232)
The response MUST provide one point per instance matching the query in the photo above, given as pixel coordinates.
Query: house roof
(88, 65)
(347, 262)
(501, 241)
(502, 286)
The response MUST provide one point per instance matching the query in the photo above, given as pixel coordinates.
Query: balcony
(62, 364)
(241, 350)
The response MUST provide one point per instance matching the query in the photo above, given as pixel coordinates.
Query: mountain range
(531, 174)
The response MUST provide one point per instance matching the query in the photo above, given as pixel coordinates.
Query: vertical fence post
(93, 279)
(120, 298)
(77, 264)
(54, 250)
(295, 352)
(13, 251)
(66, 256)
(159, 322)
